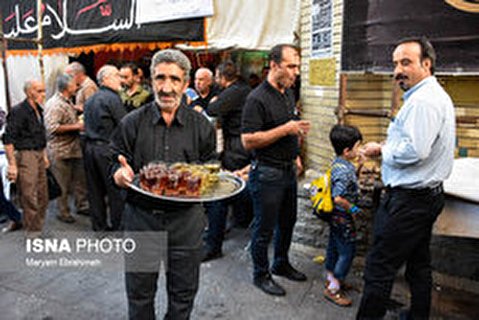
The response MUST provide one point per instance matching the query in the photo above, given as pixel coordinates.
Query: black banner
(371, 28)
(74, 23)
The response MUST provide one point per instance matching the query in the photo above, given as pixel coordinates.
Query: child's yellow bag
(320, 196)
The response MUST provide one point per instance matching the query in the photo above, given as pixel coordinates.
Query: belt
(280, 165)
(428, 190)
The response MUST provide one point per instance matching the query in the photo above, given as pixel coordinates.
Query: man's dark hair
(133, 67)
(228, 70)
(344, 136)
(427, 50)
(276, 53)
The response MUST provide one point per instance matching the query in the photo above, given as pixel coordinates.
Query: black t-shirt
(24, 129)
(228, 109)
(203, 102)
(229, 106)
(267, 108)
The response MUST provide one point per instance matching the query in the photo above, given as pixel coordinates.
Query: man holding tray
(164, 130)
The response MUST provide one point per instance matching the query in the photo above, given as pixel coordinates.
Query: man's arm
(371, 149)
(53, 119)
(65, 128)
(123, 176)
(221, 104)
(12, 172)
(261, 139)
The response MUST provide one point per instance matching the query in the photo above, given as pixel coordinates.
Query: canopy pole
(40, 39)
(3, 45)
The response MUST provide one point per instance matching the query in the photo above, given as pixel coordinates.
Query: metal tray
(228, 186)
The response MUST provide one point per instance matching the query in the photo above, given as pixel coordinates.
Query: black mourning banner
(371, 28)
(75, 23)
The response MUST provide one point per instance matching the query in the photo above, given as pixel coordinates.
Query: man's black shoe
(84, 212)
(288, 272)
(12, 226)
(211, 255)
(269, 286)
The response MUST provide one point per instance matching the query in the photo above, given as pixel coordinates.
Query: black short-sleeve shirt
(267, 108)
(24, 129)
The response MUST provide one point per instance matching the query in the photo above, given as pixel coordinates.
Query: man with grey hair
(86, 86)
(164, 130)
(25, 142)
(63, 135)
(103, 112)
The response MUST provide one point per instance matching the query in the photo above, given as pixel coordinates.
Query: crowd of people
(96, 138)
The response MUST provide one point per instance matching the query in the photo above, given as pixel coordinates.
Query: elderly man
(206, 89)
(86, 86)
(63, 128)
(417, 157)
(103, 112)
(133, 94)
(25, 141)
(168, 131)
(270, 128)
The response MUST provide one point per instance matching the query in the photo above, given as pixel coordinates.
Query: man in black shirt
(25, 134)
(164, 130)
(227, 108)
(206, 89)
(103, 112)
(270, 129)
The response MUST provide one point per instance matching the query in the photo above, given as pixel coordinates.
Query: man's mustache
(400, 76)
(167, 94)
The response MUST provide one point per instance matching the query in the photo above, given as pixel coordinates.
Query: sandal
(345, 286)
(337, 298)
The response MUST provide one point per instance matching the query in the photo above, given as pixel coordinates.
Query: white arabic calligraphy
(30, 24)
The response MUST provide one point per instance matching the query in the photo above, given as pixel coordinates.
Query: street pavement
(226, 290)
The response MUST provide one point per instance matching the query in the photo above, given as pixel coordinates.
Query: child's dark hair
(343, 136)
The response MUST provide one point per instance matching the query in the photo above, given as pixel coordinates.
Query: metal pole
(40, 39)
(343, 83)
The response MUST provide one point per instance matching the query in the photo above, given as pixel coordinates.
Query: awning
(76, 26)
(372, 27)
